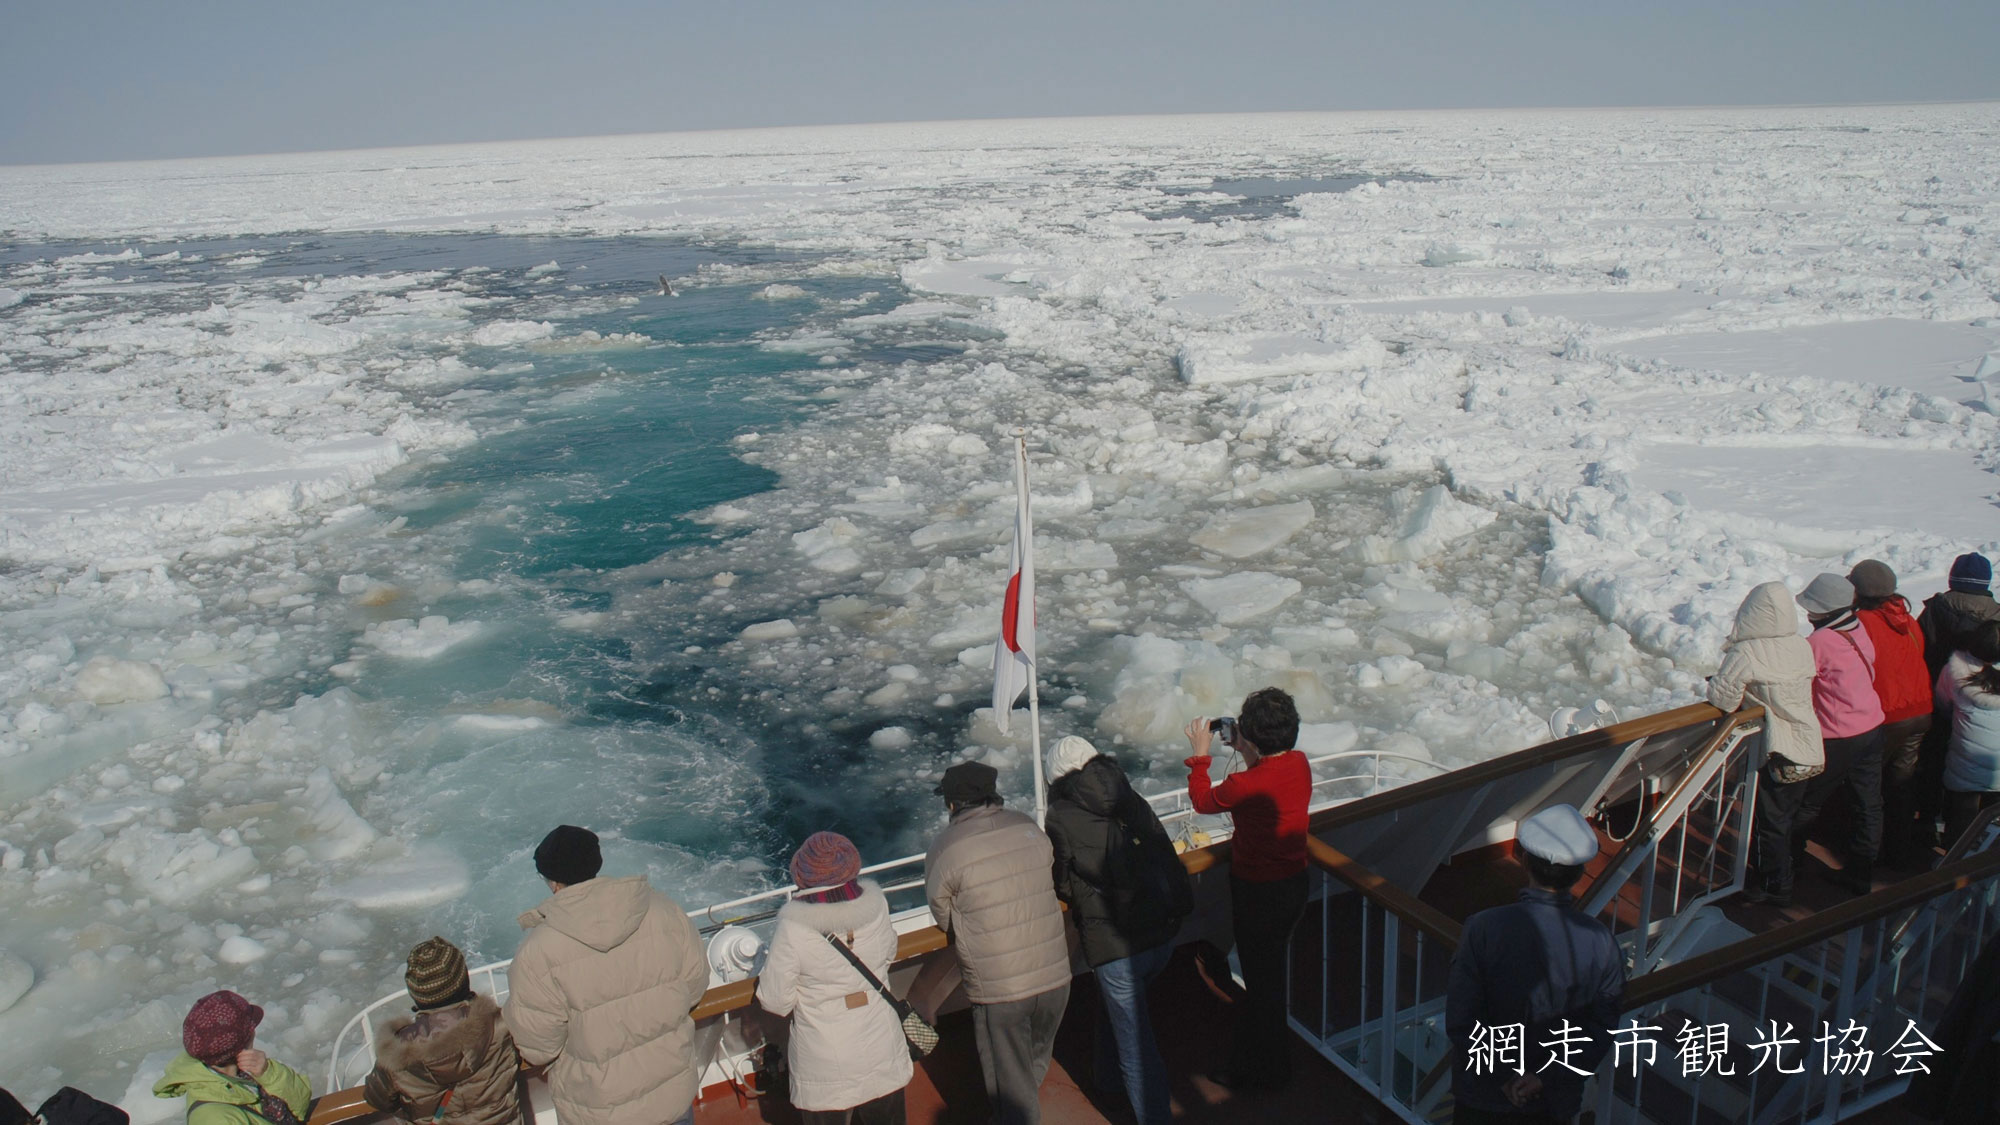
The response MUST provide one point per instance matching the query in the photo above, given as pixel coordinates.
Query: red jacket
(1902, 679)
(1268, 803)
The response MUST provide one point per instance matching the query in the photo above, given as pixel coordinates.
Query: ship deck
(1192, 1017)
(1193, 1020)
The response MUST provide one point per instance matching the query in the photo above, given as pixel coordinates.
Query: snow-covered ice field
(363, 514)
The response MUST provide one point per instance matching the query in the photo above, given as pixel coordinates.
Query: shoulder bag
(922, 1037)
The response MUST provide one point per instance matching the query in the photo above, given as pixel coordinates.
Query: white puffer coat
(1972, 763)
(1765, 662)
(600, 990)
(847, 1044)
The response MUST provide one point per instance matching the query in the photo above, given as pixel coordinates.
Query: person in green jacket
(224, 1078)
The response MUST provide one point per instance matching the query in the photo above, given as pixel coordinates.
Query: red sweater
(1268, 804)
(1902, 679)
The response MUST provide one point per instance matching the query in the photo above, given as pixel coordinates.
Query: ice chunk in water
(1241, 534)
(1239, 597)
(424, 878)
(777, 630)
(419, 640)
(173, 867)
(1426, 523)
(105, 680)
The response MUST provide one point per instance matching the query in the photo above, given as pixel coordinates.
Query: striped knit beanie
(436, 976)
(1971, 574)
(826, 859)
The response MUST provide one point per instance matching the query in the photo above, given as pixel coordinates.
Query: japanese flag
(1014, 652)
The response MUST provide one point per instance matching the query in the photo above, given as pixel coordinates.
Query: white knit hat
(1069, 755)
(1558, 834)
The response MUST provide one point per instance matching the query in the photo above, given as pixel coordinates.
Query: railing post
(1391, 932)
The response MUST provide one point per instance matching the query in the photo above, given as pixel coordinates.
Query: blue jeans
(1125, 1041)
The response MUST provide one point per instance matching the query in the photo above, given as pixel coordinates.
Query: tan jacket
(989, 880)
(463, 1049)
(1766, 662)
(847, 1043)
(602, 985)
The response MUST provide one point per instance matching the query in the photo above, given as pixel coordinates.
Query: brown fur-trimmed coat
(465, 1048)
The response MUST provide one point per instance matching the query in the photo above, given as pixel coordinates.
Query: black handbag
(71, 1106)
(922, 1037)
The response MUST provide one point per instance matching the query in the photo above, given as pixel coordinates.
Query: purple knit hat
(826, 859)
(219, 1025)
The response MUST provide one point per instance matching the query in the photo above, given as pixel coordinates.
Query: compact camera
(1225, 728)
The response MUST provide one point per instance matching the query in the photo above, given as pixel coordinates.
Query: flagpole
(1034, 694)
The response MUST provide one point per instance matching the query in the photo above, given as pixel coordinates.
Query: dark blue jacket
(1534, 963)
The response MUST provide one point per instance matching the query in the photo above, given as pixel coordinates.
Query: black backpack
(1152, 888)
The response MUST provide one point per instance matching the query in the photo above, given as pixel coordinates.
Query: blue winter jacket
(1534, 962)
(1972, 764)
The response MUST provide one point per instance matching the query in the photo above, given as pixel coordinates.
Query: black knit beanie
(569, 855)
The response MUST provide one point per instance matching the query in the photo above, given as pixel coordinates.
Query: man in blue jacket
(1536, 988)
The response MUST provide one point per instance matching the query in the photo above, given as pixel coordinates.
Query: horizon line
(1682, 107)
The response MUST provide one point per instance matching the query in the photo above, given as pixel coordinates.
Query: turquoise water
(591, 460)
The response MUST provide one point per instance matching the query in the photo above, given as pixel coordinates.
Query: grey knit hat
(1872, 578)
(1827, 593)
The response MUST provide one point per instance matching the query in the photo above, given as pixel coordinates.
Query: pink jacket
(1844, 684)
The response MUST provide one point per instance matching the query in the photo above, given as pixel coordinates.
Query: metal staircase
(1370, 965)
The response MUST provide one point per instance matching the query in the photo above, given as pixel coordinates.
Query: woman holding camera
(1266, 801)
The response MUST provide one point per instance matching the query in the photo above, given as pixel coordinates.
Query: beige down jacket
(847, 1044)
(600, 990)
(462, 1050)
(1766, 663)
(989, 878)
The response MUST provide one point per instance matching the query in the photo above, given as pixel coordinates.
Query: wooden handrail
(1752, 951)
(340, 1106)
(1385, 894)
(1492, 769)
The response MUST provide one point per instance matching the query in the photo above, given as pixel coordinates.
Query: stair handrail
(1709, 757)
(1383, 893)
(1959, 849)
(1492, 769)
(1707, 968)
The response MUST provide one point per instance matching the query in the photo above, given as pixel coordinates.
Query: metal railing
(1375, 1003)
(1693, 850)
(1383, 962)
(1886, 964)
(1337, 778)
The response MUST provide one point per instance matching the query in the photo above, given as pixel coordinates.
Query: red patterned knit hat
(826, 859)
(219, 1025)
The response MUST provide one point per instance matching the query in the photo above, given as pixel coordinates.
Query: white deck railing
(353, 1051)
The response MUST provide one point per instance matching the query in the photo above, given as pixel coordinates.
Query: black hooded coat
(1115, 866)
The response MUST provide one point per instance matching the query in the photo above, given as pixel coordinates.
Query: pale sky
(90, 80)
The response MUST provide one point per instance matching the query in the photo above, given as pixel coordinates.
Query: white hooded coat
(1766, 663)
(847, 1044)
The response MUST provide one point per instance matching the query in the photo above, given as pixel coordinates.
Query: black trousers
(1473, 1115)
(1785, 813)
(885, 1110)
(1961, 809)
(1902, 744)
(1853, 764)
(1263, 915)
